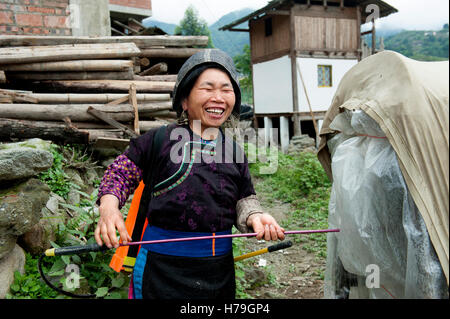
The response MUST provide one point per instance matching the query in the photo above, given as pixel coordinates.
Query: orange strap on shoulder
(119, 260)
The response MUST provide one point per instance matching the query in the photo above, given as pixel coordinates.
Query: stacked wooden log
(100, 90)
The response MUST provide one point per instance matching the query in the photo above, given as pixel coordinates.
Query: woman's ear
(184, 104)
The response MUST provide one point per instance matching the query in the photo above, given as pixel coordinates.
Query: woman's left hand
(265, 226)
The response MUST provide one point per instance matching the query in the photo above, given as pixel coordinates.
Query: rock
(24, 159)
(74, 177)
(7, 242)
(39, 237)
(35, 143)
(255, 278)
(301, 143)
(20, 209)
(14, 260)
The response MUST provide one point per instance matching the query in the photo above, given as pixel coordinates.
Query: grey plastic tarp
(381, 226)
(390, 189)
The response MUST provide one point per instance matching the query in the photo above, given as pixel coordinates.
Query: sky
(412, 15)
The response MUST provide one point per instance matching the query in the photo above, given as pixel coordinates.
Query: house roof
(274, 5)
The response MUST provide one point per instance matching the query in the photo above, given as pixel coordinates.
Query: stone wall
(29, 211)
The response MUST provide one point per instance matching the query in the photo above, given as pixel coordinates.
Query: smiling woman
(203, 195)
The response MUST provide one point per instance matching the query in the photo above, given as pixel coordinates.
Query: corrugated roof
(385, 9)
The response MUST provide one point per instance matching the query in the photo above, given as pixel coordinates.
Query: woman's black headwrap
(192, 69)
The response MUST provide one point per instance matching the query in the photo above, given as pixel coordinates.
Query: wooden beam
(106, 118)
(11, 55)
(82, 75)
(71, 66)
(56, 131)
(374, 38)
(239, 30)
(293, 57)
(136, 22)
(87, 98)
(109, 86)
(126, 27)
(156, 69)
(140, 41)
(118, 32)
(107, 142)
(19, 97)
(172, 53)
(133, 101)
(279, 12)
(158, 78)
(358, 31)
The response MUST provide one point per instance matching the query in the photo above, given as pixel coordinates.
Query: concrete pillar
(267, 127)
(90, 18)
(284, 133)
(319, 127)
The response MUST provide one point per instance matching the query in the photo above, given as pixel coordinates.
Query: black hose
(67, 293)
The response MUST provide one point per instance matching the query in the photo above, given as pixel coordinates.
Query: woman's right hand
(110, 221)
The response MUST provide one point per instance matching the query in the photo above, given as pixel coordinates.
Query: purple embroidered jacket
(197, 190)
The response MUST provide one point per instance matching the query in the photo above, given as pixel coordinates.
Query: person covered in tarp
(202, 188)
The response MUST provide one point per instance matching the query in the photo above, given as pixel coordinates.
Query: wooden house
(300, 50)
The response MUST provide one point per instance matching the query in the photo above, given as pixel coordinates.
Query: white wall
(320, 97)
(272, 85)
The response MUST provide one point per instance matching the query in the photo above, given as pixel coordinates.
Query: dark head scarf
(194, 66)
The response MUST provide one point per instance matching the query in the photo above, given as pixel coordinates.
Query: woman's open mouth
(215, 112)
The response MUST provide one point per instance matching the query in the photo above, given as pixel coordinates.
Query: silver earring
(183, 119)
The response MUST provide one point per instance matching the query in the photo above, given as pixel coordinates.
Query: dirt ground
(291, 273)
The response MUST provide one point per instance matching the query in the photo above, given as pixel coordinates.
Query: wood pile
(90, 90)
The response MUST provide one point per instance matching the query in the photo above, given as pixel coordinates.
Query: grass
(300, 181)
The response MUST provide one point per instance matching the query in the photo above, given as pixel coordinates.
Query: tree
(243, 66)
(191, 24)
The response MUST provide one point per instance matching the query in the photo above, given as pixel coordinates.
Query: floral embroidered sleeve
(121, 178)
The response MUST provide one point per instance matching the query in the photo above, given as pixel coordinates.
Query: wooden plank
(75, 65)
(19, 97)
(133, 101)
(105, 142)
(171, 53)
(67, 52)
(159, 68)
(82, 75)
(319, 12)
(106, 118)
(134, 31)
(56, 131)
(157, 78)
(78, 112)
(140, 41)
(96, 98)
(111, 85)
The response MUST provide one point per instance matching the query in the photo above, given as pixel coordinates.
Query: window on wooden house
(324, 76)
(268, 26)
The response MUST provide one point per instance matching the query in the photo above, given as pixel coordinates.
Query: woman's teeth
(215, 111)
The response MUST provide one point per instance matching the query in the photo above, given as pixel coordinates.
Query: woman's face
(211, 99)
